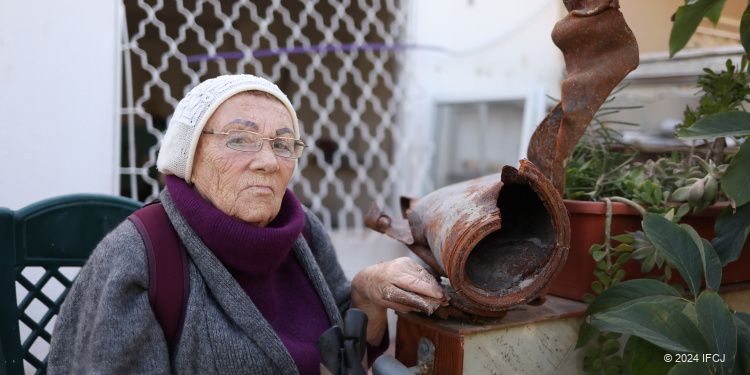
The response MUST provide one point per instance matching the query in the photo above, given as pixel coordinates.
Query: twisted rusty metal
(599, 50)
(501, 239)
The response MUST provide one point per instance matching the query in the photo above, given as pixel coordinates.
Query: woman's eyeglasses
(244, 140)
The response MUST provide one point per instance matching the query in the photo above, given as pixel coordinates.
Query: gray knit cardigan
(106, 325)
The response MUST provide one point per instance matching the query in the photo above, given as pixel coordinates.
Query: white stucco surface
(59, 92)
(473, 50)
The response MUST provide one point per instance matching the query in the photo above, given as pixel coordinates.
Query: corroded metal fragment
(600, 50)
(499, 239)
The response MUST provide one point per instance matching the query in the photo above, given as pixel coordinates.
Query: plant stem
(607, 232)
(627, 201)
(718, 150)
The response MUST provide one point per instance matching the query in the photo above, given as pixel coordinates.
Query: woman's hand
(373, 284)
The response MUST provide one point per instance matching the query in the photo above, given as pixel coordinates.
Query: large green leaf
(645, 358)
(731, 233)
(745, 29)
(736, 180)
(724, 124)
(717, 325)
(711, 262)
(711, 266)
(714, 13)
(660, 324)
(687, 19)
(745, 317)
(677, 246)
(743, 343)
(632, 291)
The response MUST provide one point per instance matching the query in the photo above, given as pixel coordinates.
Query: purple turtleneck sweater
(261, 261)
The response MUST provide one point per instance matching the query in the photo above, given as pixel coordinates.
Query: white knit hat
(179, 143)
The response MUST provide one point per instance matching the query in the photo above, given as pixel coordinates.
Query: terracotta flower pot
(587, 228)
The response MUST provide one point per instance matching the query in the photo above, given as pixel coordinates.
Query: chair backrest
(41, 248)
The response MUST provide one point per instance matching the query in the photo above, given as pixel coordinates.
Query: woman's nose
(264, 159)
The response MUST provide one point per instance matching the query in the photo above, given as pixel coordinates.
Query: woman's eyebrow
(284, 131)
(247, 123)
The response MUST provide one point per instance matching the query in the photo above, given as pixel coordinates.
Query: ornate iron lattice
(338, 61)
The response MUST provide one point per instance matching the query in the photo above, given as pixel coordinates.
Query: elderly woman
(260, 293)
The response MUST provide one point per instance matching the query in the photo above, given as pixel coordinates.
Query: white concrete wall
(488, 49)
(59, 92)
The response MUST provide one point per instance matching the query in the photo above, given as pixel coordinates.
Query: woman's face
(248, 186)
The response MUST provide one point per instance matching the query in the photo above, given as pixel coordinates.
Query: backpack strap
(169, 282)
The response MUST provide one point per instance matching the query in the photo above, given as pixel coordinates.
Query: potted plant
(673, 330)
(602, 166)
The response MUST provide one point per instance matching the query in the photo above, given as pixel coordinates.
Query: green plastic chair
(47, 235)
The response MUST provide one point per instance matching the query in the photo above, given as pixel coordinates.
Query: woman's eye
(281, 145)
(240, 140)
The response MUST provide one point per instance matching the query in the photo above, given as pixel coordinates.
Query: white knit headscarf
(181, 139)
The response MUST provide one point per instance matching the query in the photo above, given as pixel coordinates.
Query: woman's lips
(261, 189)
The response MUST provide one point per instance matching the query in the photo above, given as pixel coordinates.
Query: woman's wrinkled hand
(373, 290)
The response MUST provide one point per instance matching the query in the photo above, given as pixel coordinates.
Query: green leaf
(623, 247)
(619, 275)
(597, 287)
(687, 19)
(736, 180)
(657, 195)
(717, 325)
(648, 263)
(588, 298)
(605, 279)
(689, 311)
(613, 365)
(585, 334)
(599, 255)
(611, 347)
(724, 124)
(711, 262)
(623, 258)
(714, 14)
(745, 29)
(612, 335)
(647, 198)
(597, 364)
(688, 368)
(745, 317)
(683, 210)
(743, 342)
(677, 246)
(656, 322)
(630, 292)
(595, 247)
(645, 357)
(648, 187)
(624, 238)
(731, 233)
(712, 266)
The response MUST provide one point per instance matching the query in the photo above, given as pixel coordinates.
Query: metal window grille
(338, 61)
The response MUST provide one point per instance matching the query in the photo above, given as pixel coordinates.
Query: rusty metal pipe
(499, 239)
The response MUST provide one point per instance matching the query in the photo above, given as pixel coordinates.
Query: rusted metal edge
(480, 302)
(599, 50)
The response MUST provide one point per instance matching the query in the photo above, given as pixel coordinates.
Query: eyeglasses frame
(261, 146)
